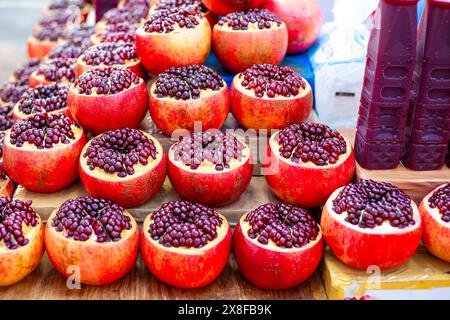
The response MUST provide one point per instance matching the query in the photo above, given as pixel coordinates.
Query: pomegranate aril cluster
(165, 21)
(213, 146)
(78, 34)
(311, 142)
(6, 117)
(69, 49)
(131, 15)
(283, 224)
(48, 33)
(262, 18)
(369, 203)
(184, 224)
(64, 4)
(118, 151)
(167, 4)
(12, 91)
(86, 216)
(441, 200)
(43, 130)
(2, 139)
(134, 3)
(121, 32)
(23, 73)
(184, 83)
(14, 215)
(272, 81)
(44, 98)
(58, 69)
(106, 80)
(109, 54)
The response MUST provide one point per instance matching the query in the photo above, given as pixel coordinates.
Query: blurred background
(17, 18)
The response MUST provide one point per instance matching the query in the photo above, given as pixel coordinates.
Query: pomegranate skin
(39, 49)
(171, 114)
(223, 7)
(212, 189)
(304, 186)
(364, 249)
(303, 19)
(17, 264)
(159, 52)
(435, 234)
(86, 109)
(99, 263)
(130, 192)
(239, 50)
(269, 113)
(185, 270)
(47, 170)
(275, 270)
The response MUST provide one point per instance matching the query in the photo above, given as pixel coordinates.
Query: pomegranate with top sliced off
(277, 246)
(58, 70)
(130, 15)
(435, 212)
(23, 72)
(371, 223)
(115, 33)
(185, 245)
(210, 167)
(223, 7)
(96, 235)
(21, 240)
(12, 91)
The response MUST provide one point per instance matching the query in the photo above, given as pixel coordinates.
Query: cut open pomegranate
(371, 223)
(12, 91)
(23, 72)
(41, 151)
(223, 7)
(115, 33)
(277, 246)
(268, 97)
(21, 240)
(306, 162)
(130, 15)
(186, 245)
(6, 116)
(95, 235)
(58, 70)
(242, 39)
(435, 212)
(56, 5)
(185, 95)
(6, 184)
(212, 168)
(104, 92)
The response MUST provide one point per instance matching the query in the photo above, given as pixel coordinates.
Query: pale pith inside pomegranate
(253, 19)
(109, 54)
(441, 200)
(186, 225)
(371, 204)
(123, 152)
(169, 20)
(42, 98)
(12, 91)
(56, 70)
(18, 223)
(311, 143)
(121, 32)
(6, 117)
(24, 71)
(92, 219)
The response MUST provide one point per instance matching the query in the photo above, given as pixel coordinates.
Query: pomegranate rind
(161, 51)
(134, 66)
(16, 264)
(98, 263)
(382, 247)
(216, 188)
(6, 188)
(186, 268)
(125, 109)
(270, 267)
(435, 232)
(223, 7)
(43, 170)
(128, 192)
(239, 50)
(19, 115)
(306, 185)
(39, 49)
(269, 113)
(170, 114)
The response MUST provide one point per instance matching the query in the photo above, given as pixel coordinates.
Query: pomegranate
(212, 168)
(110, 54)
(69, 49)
(6, 117)
(12, 91)
(2, 140)
(23, 72)
(277, 246)
(130, 15)
(133, 3)
(269, 97)
(126, 165)
(78, 33)
(116, 33)
(242, 39)
(186, 245)
(81, 5)
(371, 223)
(57, 70)
(306, 162)
(303, 19)
(41, 151)
(21, 240)
(96, 235)
(167, 4)
(435, 212)
(182, 96)
(105, 91)
(50, 98)
(223, 7)
(6, 185)
(175, 37)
